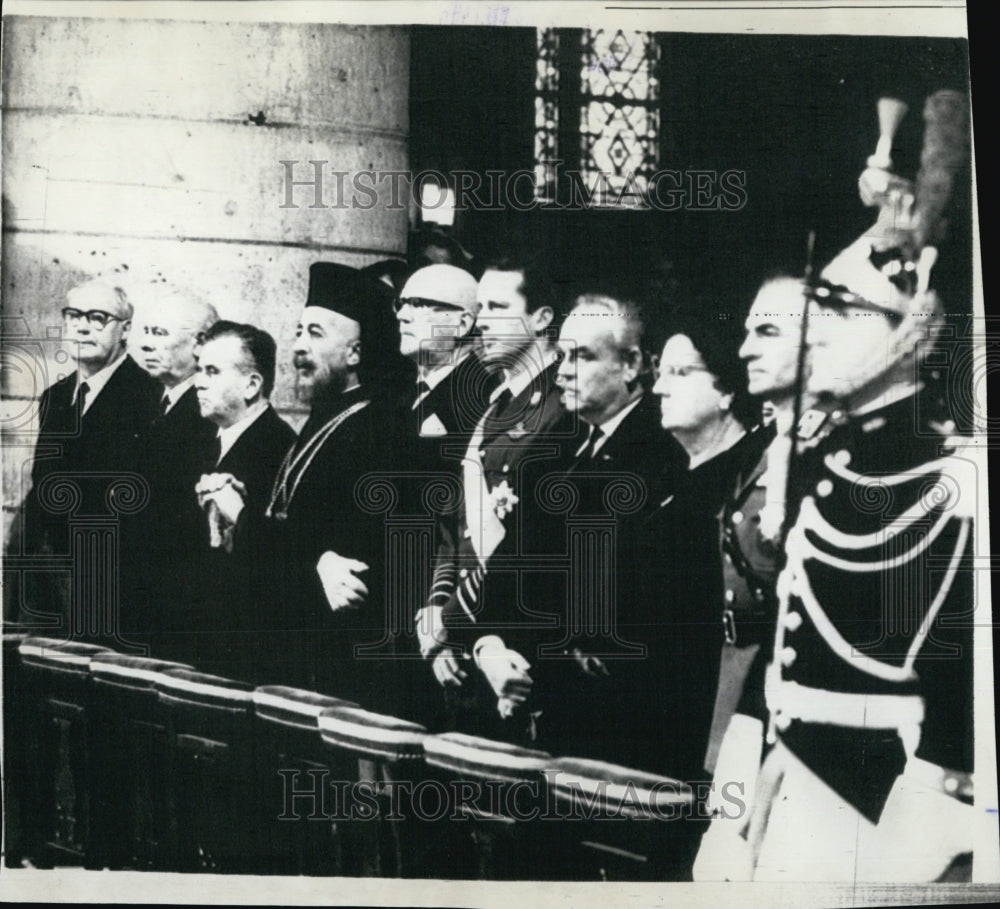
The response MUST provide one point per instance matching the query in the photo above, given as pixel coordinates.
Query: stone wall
(150, 151)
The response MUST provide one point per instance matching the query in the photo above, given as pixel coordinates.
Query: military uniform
(750, 556)
(870, 687)
(751, 559)
(478, 566)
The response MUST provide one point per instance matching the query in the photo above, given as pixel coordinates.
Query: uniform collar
(536, 364)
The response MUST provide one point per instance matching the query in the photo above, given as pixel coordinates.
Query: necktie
(497, 419)
(587, 452)
(422, 389)
(81, 396)
(215, 450)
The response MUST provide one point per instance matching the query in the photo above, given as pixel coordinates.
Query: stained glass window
(546, 111)
(597, 108)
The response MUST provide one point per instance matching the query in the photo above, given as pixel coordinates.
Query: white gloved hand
(505, 670)
(447, 669)
(432, 635)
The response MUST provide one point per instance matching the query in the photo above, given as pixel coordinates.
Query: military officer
(476, 569)
(753, 517)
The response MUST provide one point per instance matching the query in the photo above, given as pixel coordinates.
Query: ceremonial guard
(869, 689)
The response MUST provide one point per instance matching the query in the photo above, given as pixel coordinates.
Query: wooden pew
(15, 753)
(619, 824)
(130, 810)
(211, 788)
(498, 792)
(301, 834)
(384, 757)
(56, 676)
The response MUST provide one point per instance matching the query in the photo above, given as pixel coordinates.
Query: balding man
(175, 322)
(436, 311)
(91, 431)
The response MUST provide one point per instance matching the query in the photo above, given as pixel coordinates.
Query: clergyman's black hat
(368, 301)
(346, 290)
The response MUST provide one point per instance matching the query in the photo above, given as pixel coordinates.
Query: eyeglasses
(424, 303)
(96, 317)
(681, 372)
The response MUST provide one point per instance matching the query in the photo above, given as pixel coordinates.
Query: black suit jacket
(256, 456)
(176, 444)
(91, 450)
(657, 710)
(598, 599)
(221, 632)
(455, 405)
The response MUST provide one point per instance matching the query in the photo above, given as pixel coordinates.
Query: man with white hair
(175, 322)
(91, 433)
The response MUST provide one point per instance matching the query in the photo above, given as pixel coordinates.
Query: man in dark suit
(91, 436)
(218, 629)
(318, 548)
(436, 311)
(175, 322)
(622, 467)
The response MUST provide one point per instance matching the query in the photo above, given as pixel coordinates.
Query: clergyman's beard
(323, 388)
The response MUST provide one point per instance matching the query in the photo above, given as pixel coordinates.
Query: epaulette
(815, 425)
(810, 423)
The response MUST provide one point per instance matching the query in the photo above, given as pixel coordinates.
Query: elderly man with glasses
(436, 311)
(91, 435)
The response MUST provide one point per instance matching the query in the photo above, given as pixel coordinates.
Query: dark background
(796, 113)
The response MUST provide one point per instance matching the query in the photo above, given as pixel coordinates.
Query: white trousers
(801, 830)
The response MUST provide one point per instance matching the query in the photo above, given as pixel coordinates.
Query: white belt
(789, 701)
(951, 782)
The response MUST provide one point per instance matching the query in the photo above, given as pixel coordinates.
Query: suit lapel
(636, 431)
(249, 440)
